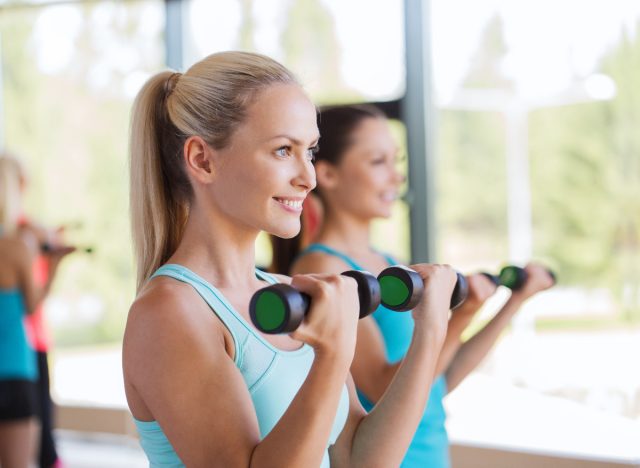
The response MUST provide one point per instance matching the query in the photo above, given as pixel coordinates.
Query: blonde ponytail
(209, 101)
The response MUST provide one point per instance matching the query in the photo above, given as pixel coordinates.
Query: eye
(400, 158)
(283, 151)
(311, 152)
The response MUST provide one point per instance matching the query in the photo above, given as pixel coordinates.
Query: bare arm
(178, 370)
(478, 346)
(33, 294)
(370, 443)
(474, 350)
(480, 289)
(370, 368)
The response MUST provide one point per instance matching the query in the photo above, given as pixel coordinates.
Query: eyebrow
(295, 140)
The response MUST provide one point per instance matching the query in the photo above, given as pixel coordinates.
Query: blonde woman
(18, 296)
(219, 154)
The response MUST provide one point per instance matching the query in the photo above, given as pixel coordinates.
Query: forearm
(473, 351)
(301, 436)
(400, 408)
(379, 381)
(452, 342)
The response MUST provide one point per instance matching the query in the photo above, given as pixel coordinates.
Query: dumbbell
(45, 247)
(513, 277)
(280, 308)
(401, 289)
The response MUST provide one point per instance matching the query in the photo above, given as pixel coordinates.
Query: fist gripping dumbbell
(513, 277)
(401, 289)
(280, 308)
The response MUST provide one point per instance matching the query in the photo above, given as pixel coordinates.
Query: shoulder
(318, 262)
(167, 312)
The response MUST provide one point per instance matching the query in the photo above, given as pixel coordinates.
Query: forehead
(373, 134)
(282, 109)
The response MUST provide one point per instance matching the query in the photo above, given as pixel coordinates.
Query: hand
(538, 279)
(432, 313)
(481, 288)
(55, 253)
(331, 324)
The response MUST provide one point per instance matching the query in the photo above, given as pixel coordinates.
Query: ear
(326, 175)
(198, 157)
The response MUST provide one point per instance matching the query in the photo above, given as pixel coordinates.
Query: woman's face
(366, 181)
(266, 171)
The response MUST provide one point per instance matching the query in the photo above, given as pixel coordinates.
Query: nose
(305, 175)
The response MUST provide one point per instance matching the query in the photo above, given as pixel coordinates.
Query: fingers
(323, 285)
(539, 275)
(481, 288)
(442, 273)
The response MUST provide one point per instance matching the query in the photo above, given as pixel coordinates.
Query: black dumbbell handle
(415, 285)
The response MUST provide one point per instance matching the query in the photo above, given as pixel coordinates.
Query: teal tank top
(430, 445)
(273, 376)
(17, 357)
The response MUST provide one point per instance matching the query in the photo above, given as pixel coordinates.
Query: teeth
(291, 203)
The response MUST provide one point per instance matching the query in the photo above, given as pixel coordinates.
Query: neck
(344, 231)
(218, 249)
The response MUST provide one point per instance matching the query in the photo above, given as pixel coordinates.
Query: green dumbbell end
(512, 277)
(400, 287)
(270, 311)
(394, 291)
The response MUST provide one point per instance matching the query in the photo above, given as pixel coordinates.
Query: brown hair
(336, 125)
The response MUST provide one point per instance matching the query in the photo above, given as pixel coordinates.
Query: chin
(285, 232)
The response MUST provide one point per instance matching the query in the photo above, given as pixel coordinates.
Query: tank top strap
(237, 325)
(316, 247)
(389, 258)
(264, 276)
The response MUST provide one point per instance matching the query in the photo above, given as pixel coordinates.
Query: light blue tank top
(17, 357)
(430, 445)
(273, 376)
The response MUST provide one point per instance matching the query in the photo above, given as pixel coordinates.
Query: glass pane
(341, 51)
(69, 76)
(538, 158)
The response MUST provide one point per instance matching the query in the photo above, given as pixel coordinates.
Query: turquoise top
(17, 358)
(273, 376)
(430, 445)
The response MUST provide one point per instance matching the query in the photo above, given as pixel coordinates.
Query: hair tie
(170, 84)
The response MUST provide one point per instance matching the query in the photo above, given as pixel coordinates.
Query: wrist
(428, 332)
(332, 357)
(518, 297)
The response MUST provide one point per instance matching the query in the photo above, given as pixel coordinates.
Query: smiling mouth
(292, 205)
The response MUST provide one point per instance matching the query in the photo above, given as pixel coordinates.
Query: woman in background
(358, 182)
(19, 296)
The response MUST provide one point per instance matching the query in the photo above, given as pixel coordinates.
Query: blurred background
(525, 143)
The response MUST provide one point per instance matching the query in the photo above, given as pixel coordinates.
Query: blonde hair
(210, 100)
(11, 173)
